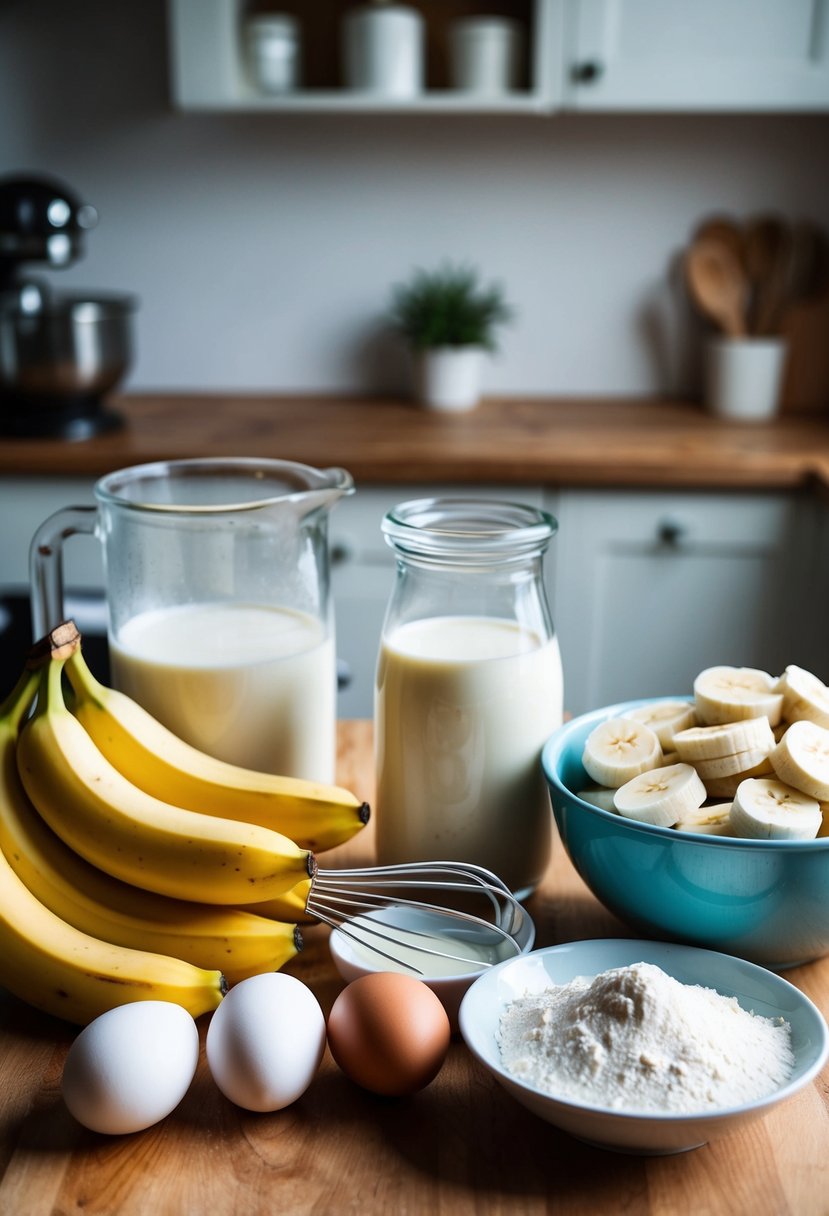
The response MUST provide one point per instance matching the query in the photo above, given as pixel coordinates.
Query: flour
(635, 1038)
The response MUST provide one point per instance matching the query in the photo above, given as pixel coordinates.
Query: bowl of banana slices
(704, 818)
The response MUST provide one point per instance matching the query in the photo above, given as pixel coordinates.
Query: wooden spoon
(724, 229)
(718, 285)
(768, 246)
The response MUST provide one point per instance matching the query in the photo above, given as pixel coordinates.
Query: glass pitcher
(469, 687)
(218, 590)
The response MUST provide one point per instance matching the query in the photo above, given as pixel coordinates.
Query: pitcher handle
(46, 564)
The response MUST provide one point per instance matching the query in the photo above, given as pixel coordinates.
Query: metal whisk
(383, 906)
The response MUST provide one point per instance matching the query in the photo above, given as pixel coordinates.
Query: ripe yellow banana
(316, 817)
(54, 966)
(130, 834)
(226, 939)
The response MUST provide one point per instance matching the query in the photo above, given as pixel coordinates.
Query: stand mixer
(60, 354)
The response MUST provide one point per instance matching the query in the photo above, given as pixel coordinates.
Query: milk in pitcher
(250, 684)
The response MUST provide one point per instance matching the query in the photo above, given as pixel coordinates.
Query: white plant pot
(449, 377)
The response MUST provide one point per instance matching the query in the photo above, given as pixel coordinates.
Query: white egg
(265, 1041)
(131, 1066)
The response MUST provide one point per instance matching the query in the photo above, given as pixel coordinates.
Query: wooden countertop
(658, 443)
(461, 1146)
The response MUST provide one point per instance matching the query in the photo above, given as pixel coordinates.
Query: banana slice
(662, 797)
(726, 787)
(766, 809)
(709, 820)
(725, 739)
(665, 718)
(598, 796)
(801, 759)
(805, 697)
(732, 766)
(618, 749)
(729, 694)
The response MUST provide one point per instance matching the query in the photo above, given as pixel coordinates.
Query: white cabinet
(707, 55)
(654, 587)
(591, 55)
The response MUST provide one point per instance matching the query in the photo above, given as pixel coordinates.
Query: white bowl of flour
(643, 1047)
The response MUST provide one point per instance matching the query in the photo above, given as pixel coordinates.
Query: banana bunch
(760, 742)
(110, 893)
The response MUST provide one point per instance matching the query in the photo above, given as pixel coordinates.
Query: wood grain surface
(512, 440)
(461, 1146)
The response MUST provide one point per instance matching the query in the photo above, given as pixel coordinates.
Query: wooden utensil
(718, 285)
(725, 230)
(768, 249)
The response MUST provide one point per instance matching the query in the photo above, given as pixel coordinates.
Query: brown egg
(388, 1033)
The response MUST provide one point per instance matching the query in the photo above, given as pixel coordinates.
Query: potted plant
(448, 319)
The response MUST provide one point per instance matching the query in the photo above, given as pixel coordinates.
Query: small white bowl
(760, 991)
(451, 984)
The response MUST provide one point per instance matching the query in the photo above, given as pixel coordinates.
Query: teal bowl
(762, 900)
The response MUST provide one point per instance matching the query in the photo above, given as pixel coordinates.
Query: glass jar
(469, 687)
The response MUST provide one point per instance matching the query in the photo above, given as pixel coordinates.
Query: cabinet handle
(671, 533)
(589, 71)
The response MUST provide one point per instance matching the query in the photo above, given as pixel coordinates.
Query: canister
(383, 50)
(485, 54)
(273, 52)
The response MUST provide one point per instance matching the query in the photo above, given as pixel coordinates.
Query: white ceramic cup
(485, 55)
(744, 377)
(383, 50)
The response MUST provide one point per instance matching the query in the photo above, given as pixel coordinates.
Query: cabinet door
(653, 588)
(706, 55)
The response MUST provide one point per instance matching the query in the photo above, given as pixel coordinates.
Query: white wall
(263, 247)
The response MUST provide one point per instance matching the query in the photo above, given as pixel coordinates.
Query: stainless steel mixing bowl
(59, 360)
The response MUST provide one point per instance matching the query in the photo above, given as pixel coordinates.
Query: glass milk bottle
(469, 687)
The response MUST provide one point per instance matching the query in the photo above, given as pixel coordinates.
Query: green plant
(448, 307)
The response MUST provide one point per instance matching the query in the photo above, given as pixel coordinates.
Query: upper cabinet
(697, 55)
(539, 56)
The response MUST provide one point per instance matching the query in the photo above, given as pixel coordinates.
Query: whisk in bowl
(474, 923)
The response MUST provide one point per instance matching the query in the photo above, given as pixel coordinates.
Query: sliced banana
(665, 718)
(771, 810)
(729, 694)
(801, 759)
(709, 820)
(732, 766)
(661, 797)
(724, 739)
(805, 697)
(726, 787)
(598, 795)
(618, 749)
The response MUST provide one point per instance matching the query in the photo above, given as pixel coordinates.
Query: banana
(128, 833)
(665, 718)
(731, 766)
(728, 694)
(288, 907)
(618, 749)
(52, 965)
(770, 810)
(661, 797)
(805, 697)
(801, 759)
(316, 817)
(708, 820)
(726, 739)
(226, 939)
(726, 787)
